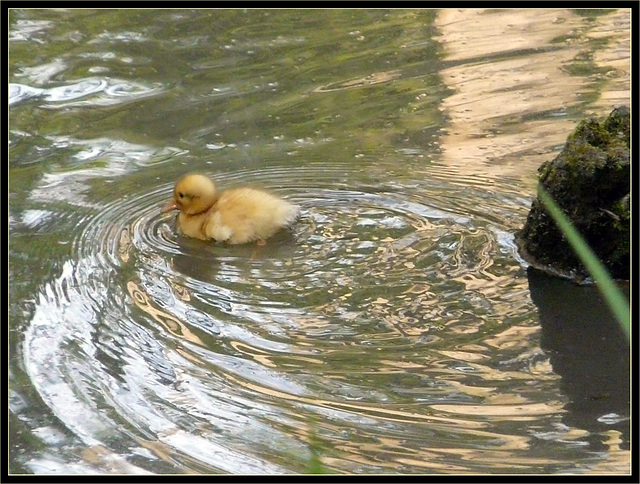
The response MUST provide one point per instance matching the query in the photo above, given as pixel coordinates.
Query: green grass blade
(314, 465)
(612, 294)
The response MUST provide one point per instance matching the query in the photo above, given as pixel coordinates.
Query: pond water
(393, 330)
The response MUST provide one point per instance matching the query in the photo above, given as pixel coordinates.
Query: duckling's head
(193, 194)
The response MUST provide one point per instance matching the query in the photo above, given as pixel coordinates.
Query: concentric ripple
(185, 356)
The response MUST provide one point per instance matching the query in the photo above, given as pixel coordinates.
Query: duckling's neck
(206, 208)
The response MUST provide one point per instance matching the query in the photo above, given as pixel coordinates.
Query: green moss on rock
(590, 181)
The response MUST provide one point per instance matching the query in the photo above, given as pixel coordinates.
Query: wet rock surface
(590, 181)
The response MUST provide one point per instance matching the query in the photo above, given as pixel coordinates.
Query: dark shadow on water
(588, 349)
(201, 260)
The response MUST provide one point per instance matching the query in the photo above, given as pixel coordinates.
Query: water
(396, 321)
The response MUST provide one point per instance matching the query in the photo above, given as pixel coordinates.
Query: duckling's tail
(289, 214)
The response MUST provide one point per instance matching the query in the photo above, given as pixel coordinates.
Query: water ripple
(100, 91)
(154, 337)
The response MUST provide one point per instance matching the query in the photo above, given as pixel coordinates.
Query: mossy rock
(590, 181)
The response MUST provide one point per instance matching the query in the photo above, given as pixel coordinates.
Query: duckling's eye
(181, 195)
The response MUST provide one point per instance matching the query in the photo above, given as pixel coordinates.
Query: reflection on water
(513, 93)
(588, 349)
(395, 318)
(112, 92)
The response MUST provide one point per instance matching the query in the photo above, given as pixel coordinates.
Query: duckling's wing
(216, 228)
(246, 214)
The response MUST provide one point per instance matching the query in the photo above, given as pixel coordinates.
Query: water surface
(395, 324)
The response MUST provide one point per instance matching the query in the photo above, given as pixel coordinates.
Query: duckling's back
(246, 214)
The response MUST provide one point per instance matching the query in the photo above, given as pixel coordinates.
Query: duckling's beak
(170, 205)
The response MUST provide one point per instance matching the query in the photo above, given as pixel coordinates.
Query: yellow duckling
(235, 216)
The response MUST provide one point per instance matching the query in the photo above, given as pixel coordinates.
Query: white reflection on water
(112, 92)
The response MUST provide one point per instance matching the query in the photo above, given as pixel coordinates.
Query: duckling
(235, 216)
